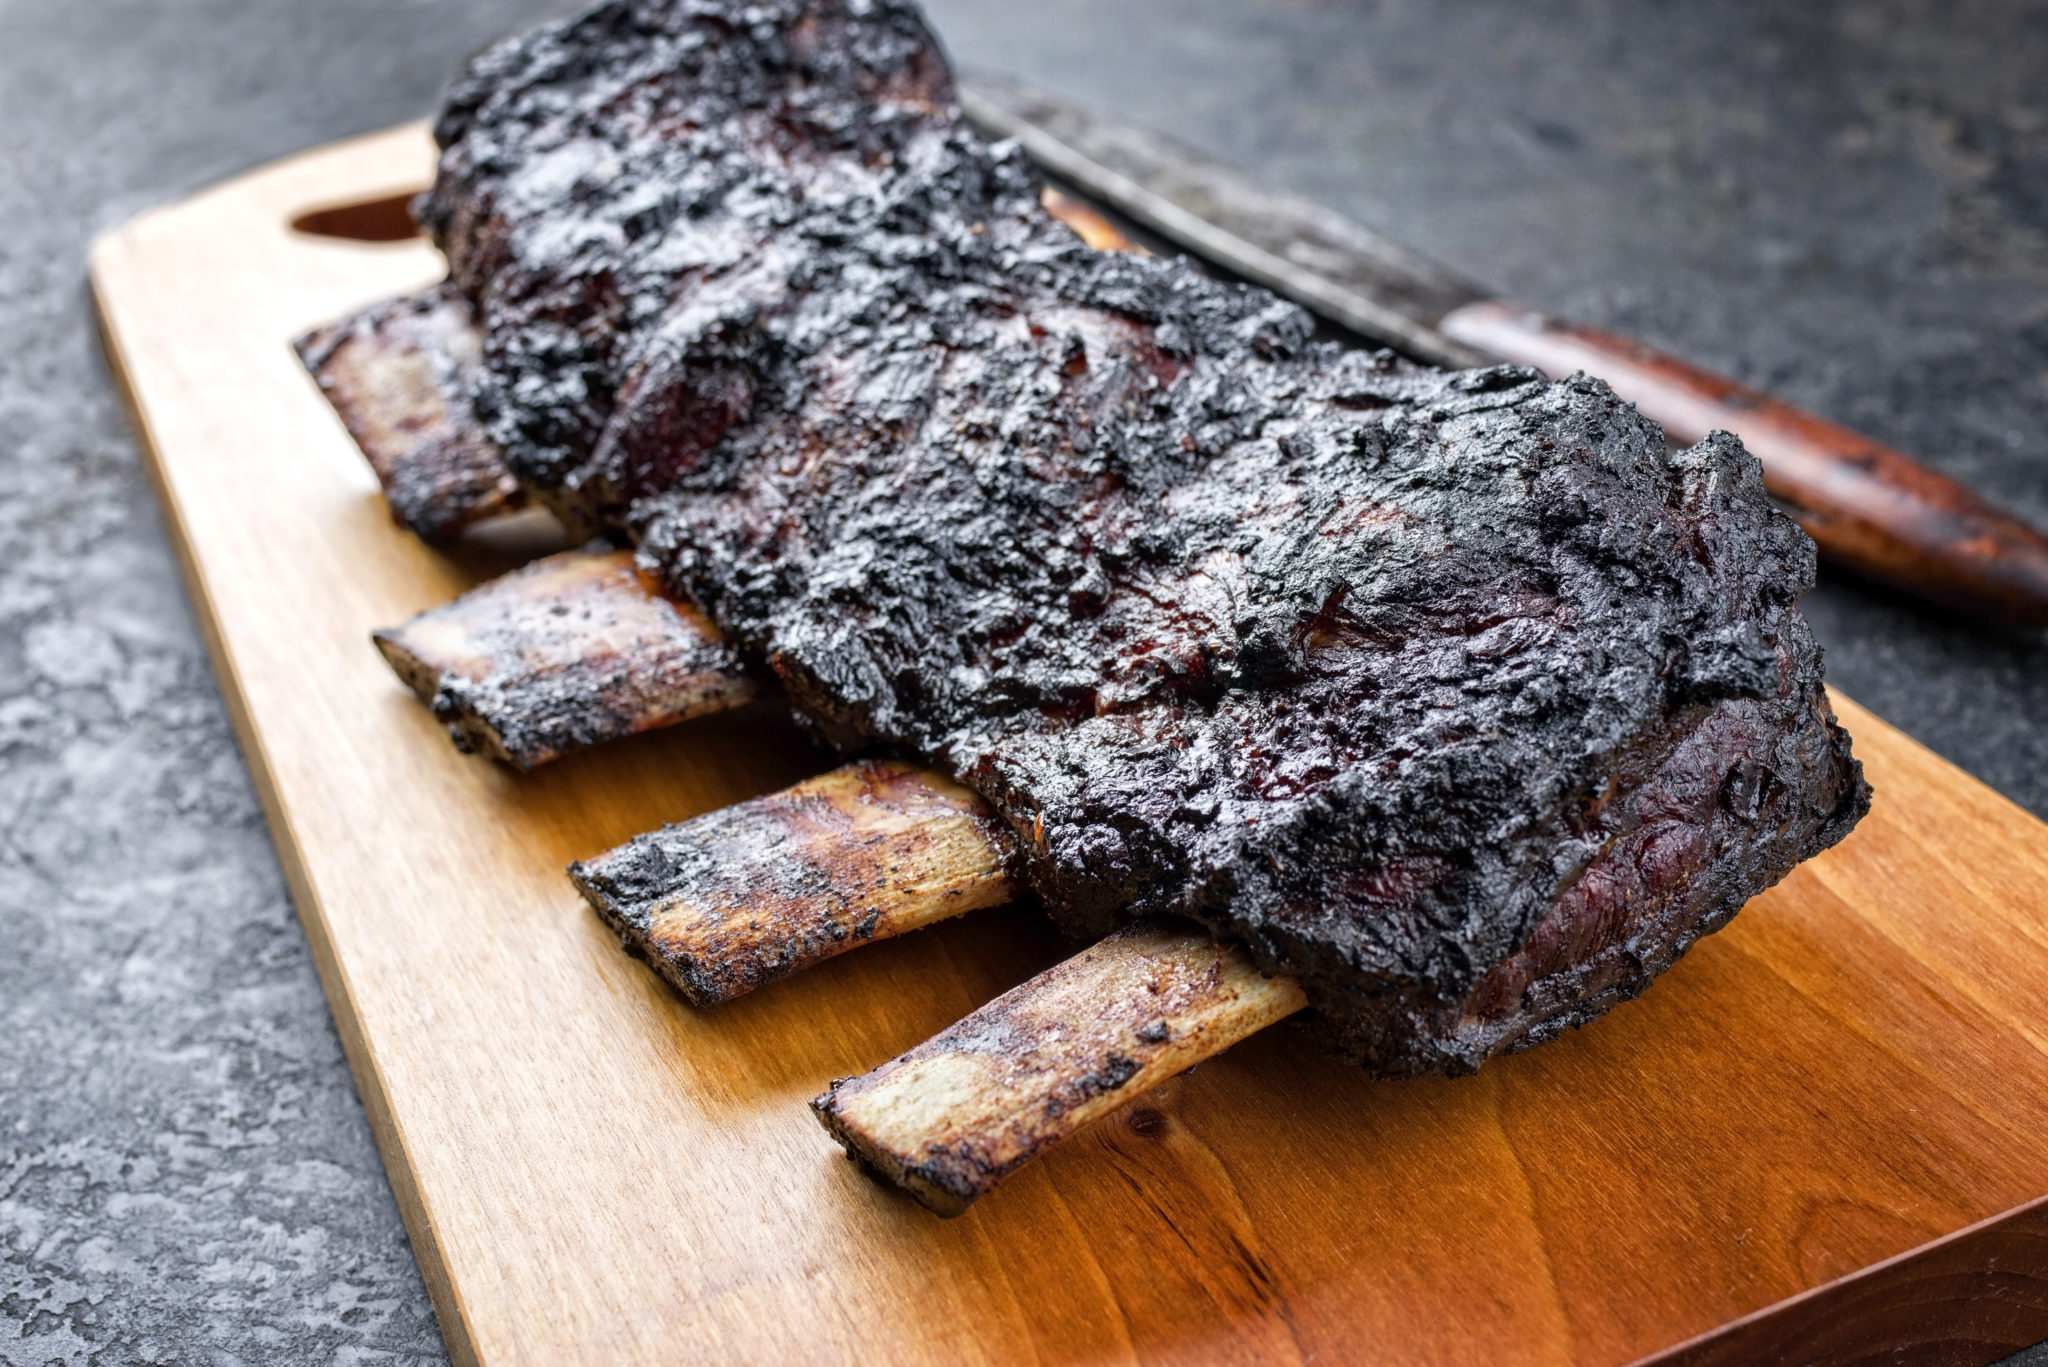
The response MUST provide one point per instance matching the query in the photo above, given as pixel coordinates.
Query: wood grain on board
(594, 1172)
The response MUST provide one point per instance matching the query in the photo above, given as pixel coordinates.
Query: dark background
(1844, 202)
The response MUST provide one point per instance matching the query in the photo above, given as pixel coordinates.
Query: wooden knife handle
(1870, 508)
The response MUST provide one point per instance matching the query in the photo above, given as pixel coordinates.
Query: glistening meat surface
(1361, 665)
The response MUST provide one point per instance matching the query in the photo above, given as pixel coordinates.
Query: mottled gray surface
(1846, 202)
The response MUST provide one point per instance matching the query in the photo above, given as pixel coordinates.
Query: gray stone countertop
(1844, 202)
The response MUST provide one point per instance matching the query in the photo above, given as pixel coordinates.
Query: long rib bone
(736, 898)
(399, 373)
(960, 1112)
(574, 649)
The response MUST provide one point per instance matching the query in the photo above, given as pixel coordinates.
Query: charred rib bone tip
(945, 1184)
(570, 651)
(726, 902)
(399, 375)
(681, 971)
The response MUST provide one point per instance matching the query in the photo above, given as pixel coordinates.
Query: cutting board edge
(1836, 1321)
(357, 1047)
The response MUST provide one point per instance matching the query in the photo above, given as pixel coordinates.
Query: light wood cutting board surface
(593, 1172)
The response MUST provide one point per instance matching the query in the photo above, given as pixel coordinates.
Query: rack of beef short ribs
(1449, 706)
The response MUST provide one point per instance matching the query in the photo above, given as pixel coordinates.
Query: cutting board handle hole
(371, 220)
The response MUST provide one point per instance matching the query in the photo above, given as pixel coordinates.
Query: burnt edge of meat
(399, 374)
(1359, 664)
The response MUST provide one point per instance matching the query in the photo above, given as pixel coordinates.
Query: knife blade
(1869, 508)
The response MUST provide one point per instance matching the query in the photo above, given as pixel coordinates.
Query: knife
(1869, 508)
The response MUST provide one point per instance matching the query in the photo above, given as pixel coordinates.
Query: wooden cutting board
(1823, 1137)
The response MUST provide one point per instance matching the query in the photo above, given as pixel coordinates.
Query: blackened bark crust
(1453, 694)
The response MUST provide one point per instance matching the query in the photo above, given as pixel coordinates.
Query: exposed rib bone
(736, 898)
(569, 651)
(726, 902)
(960, 1112)
(399, 374)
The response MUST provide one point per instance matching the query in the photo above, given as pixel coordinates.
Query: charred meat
(1454, 696)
